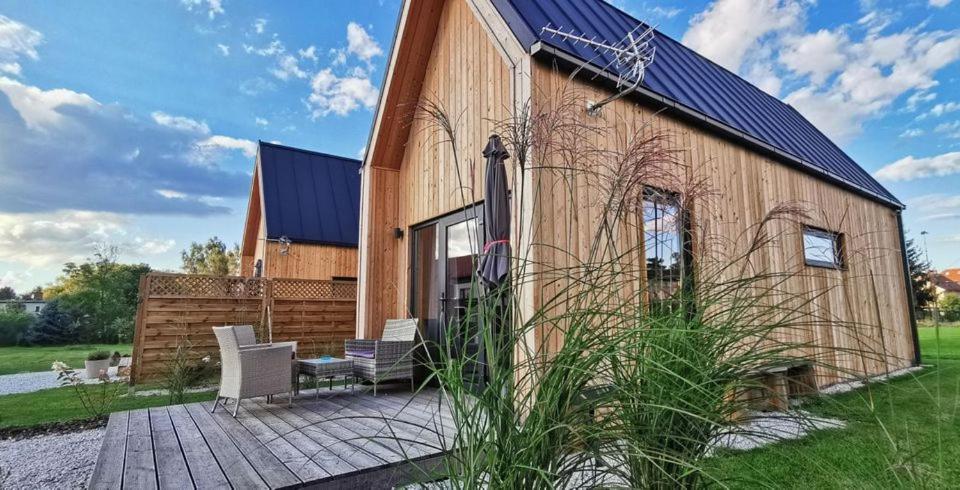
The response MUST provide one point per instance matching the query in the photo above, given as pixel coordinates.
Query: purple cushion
(364, 353)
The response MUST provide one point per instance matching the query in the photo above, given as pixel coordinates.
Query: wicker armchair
(252, 370)
(389, 358)
(248, 338)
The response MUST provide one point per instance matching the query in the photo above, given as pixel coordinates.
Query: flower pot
(94, 367)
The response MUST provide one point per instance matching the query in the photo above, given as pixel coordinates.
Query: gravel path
(55, 461)
(27, 382)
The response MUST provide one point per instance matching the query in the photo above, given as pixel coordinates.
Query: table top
(324, 361)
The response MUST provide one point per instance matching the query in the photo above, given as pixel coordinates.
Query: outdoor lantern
(284, 245)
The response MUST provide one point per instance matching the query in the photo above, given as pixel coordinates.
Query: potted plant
(97, 361)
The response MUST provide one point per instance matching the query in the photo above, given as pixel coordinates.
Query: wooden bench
(780, 383)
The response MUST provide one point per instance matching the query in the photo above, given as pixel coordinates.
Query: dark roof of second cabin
(680, 74)
(309, 196)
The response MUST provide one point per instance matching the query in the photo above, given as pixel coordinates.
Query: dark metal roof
(701, 89)
(309, 196)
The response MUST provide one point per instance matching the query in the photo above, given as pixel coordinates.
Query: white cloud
(68, 142)
(917, 98)
(261, 121)
(332, 94)
(256, 86)
(180, 123)
(275, 48)
(935, 206)
(217, 143)
(877, 71)
(16, 40)
(44, 239)
(941, 109)
(910, 168)
(728, 29)
(665, 12)
(951, 129)
(360, 43)
(818, 55)
(288, 67)
(939, 3)
(310, 53)
(213, 7)
(912, 133)
(224, 49)
(145, 246)
(259, 25)
(43, 109)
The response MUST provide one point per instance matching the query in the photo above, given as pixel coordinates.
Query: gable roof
(309, 196)
(701, 88)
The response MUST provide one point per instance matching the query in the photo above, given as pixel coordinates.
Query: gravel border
(41, 380)
(53, 461)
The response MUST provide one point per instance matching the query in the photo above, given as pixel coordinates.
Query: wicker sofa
(390, 358)
(251, 370)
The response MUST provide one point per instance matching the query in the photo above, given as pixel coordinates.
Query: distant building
(32, 306)
(946, 282)
(303, 216)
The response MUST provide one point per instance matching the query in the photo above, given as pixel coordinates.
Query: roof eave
(541, 49)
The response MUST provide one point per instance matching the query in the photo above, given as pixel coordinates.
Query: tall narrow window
(822, 248)
(663, 244)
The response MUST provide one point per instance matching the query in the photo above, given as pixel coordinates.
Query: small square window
(822, 248)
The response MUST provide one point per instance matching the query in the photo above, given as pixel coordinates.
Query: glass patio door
(445, 289)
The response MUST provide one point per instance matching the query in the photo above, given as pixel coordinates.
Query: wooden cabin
(485, 61)
(303, 215)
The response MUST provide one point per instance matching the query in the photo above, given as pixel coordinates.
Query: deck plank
(268, 465)
(238, 470)
(358, 453)
(389, 423)
(171, 466)
(332, 456)
(425, 416)
(108, 474)
(203, 466)
(368, 424)
(331, 442)
(139, 468)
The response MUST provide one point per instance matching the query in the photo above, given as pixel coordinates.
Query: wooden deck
(341, 440)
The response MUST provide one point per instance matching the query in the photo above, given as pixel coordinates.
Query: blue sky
(133, 123)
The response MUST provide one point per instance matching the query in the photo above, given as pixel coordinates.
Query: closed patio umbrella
(495, 262)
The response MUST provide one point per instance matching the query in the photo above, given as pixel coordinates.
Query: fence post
(139, 329)
(268, 307)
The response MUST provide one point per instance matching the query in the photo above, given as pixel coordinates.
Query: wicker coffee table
(326, 367)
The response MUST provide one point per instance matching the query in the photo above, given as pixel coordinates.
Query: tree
(7, 292)
(34, 294)
(950, 308)
(57, 324)
(104, 291)
(211, 258)
(14, 325)
(923, 292)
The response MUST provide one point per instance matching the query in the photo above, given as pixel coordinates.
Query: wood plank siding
(458, 53)
(745, 187)
(467, 75)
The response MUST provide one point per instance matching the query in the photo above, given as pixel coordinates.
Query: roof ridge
(303, 150)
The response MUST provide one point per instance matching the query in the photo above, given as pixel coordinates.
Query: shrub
(99, 355)
(13, 326)
(950, 308)
(183, 371)
(57, 324)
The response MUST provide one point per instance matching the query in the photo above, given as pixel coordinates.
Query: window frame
(685, 235)
(839, 245)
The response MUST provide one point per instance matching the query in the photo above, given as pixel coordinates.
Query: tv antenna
(632, 54)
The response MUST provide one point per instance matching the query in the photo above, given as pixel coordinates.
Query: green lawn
(29, 359)
(905, 433)
(61, 405)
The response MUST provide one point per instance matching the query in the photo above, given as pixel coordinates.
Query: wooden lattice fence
(181, 309)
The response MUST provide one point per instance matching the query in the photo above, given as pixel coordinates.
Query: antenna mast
(632, 54)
